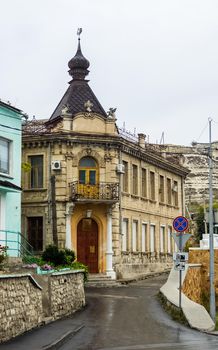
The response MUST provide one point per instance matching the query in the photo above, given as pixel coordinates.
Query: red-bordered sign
(180, 224)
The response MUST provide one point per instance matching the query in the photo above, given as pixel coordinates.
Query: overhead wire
(202, 132)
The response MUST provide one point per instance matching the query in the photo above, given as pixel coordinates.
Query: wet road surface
(125, 318)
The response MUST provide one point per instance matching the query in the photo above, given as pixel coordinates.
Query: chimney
(141, 140)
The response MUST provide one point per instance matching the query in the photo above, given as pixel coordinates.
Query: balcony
(102, 192)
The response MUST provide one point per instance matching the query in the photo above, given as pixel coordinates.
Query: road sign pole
(180, 224)
(180, 273)
(212, 288)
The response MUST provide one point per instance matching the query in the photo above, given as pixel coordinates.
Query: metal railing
(16, 243)
(102, 191)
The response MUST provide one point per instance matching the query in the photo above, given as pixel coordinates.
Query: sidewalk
(196, 314)
(48, 337)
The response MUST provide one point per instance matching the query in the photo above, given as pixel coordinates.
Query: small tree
(200, 221)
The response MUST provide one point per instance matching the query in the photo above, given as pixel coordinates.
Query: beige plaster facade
(137, 215)
(91, 189)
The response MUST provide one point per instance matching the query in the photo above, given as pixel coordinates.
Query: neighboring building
(10, 177)
(195, 158)
(91, 189)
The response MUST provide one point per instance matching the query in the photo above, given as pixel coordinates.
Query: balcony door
(88, 177)
(87, 244)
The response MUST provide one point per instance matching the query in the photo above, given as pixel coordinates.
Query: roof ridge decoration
(79, 91)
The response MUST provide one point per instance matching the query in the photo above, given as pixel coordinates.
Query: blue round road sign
(180, 224)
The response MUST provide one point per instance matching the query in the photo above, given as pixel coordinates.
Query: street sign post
(181, 239)
(180, 224)
(180, 256)
(179, 266)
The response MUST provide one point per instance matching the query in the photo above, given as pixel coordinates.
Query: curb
(64, 338)
(142, 277)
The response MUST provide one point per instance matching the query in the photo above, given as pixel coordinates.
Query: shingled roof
(79, 91)
(77, 94)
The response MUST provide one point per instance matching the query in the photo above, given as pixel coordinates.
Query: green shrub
(57, 257)
(76, 265)
(70, 255)
(29, 259)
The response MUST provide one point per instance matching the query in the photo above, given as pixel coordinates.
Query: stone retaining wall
(197, 281)
(136, 264)
(67, 293)
(25, 304)
(20, 306)
(193, 284)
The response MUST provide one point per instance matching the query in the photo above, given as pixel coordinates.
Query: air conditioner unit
(120, 169)
(56, 165)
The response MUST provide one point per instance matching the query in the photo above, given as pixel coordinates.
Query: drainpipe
(54, 212)
(49, 183)
(120, 192)
(182, 196)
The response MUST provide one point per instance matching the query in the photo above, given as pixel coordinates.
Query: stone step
(101, 280)
(103, 284)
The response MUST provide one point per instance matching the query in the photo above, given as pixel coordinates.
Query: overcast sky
(155, 60)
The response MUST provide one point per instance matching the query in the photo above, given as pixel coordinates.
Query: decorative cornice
(108, 142)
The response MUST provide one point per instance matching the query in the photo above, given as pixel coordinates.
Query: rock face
(23, 305)
(195, 158)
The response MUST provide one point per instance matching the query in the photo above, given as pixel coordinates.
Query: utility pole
(212, 289)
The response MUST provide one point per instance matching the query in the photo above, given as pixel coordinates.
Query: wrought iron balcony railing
(102, 191)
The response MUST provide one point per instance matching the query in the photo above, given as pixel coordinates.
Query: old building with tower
(92, 189)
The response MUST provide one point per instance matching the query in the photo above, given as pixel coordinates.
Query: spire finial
(78, 64)
(79, 31)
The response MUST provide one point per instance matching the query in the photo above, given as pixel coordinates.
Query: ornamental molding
(88, 151)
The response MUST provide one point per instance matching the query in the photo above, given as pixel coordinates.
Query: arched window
(88, 171)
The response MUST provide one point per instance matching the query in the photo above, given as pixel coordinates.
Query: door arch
(87, 244)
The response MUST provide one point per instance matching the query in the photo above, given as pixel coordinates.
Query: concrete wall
(25, 304)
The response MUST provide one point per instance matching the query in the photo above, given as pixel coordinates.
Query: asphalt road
(124, 318)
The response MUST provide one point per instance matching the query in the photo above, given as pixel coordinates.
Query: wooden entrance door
(87, 244)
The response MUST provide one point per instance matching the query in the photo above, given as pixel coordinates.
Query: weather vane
(79, 31)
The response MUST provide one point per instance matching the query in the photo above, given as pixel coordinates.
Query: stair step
(101, 280)
(100, 277)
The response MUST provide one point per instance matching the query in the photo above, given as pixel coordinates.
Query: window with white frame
(152, 238)
(134, 236)
(4, 156)
(162, 239)
(144, 237)
(169, 240)
(125, 235)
